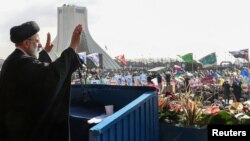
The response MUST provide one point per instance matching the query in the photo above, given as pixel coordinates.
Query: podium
(135, 112)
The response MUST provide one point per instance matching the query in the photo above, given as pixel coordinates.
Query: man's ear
(26, 44)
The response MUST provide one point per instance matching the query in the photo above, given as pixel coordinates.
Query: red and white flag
(177, 68)
(121, 59)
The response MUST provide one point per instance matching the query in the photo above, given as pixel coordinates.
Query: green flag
(209, 60)
(187, 57)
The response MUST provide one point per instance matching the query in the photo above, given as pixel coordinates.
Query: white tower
(68, 17)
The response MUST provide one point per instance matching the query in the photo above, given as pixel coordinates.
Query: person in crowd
(118, 79)
(237, 90)
(159, 81)
(143, 79)
(128, 79)
(226, 91)
(149, 79)
(187, 85)
(168, 78)
(34, 94)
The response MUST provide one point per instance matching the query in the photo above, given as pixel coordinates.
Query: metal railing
(137, 121)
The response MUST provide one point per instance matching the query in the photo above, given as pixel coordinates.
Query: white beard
(35, 52)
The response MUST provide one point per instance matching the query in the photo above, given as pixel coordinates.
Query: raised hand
(75, 40)
(48, 45)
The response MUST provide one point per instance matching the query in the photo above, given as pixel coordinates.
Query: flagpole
(192, 66)
(247, 64)
(192, 62)
(248, 58)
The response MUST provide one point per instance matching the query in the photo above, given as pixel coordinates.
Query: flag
(209, 60)
(121, 59)
(244, 72)
(94, 57)
(187, 57)
(177, 68)
(83, 57)
(240, 54)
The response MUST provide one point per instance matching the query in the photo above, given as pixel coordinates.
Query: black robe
(35, 97)
(237, 90)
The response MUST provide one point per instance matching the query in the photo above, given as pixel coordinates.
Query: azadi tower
(68, 17)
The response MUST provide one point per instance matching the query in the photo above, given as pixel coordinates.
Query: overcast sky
(143, 28)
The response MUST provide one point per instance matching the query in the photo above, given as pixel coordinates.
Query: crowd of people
(231, 84)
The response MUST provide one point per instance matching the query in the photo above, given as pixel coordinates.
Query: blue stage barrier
(136, 121)
(135, 117)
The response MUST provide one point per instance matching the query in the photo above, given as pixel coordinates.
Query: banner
(240, 54)
(187, 57)
(83, 57)
(209, 60)
(94, 57)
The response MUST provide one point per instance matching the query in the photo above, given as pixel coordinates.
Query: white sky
(143, 28)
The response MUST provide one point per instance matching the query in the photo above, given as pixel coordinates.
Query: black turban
(23, 31)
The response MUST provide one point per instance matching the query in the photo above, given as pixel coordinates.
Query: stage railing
(137, 121)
